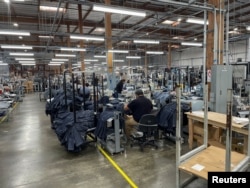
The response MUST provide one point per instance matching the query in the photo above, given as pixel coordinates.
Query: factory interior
(123, 93)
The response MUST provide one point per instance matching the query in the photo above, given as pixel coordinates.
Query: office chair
(147, 132)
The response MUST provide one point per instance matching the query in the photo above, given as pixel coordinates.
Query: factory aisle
(31, 157)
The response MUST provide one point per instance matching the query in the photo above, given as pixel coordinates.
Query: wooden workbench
(216, 120)
(211, 159)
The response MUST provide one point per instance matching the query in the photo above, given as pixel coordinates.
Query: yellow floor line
(8, 113)
(133, 185)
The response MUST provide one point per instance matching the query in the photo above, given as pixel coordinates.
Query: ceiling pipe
(208, 8)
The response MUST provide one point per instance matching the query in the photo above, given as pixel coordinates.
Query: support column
(108, 45)
(81, 32)
(146, 66)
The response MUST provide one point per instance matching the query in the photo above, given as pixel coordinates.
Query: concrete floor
(31, 156)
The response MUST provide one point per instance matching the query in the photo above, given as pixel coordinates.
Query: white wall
(194, 56)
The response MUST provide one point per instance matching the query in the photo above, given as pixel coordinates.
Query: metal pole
(228, 130)
(83, 91)
(178, 135)
(73, 103)
(64, 87)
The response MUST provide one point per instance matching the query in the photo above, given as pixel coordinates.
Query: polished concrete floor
(31, 157)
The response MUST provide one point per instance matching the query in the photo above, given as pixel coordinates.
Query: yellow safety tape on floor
(2, 119)
(133, 185)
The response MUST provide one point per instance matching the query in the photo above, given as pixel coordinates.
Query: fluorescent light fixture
(133, 57)
(46, 36)
(168, 22)
(248, 28)
(73, 49)
(119, 10)
(118, 60)
(85, 37)
(100, 56)
(28, 64)
(21, 54)
(3, 64)
(65, 55)
(119, 51)
(155, 52)
(99, 29)
(196, 21)
(16, 47)
(51, 9)
(191, 44)
(11, 32)
(91, 60)
(147, 41)
(24, 59)
(54, 59)
(55, 64)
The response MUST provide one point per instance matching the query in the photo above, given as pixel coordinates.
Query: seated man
(137, 107)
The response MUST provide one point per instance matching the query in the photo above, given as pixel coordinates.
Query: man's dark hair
(139, 92)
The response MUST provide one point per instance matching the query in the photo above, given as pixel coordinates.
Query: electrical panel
(221, 81)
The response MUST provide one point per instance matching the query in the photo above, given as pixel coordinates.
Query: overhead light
(118, 51)
(154, 52)
(11, 32)
(85, 37)
(119, 10)
(191, 44)
(24, 59)
(15, 24)
(46, 37)
(20, 37)
(65, 55)
(86, 63)
(28, 64)
(3, 64)
(248, 28)
(73, 49)
(196, 21)
(54, 64)
(16, 47)
(54, 59)
(100, 56)
(118, 60)
(133, 57)
(51, 9)
(169, 22)
(21, 54)
(147, 41)
(99, 29)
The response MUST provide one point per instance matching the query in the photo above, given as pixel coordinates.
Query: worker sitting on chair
(137, 108)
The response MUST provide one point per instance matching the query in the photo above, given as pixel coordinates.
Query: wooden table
(216, 120)
(211, 159)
